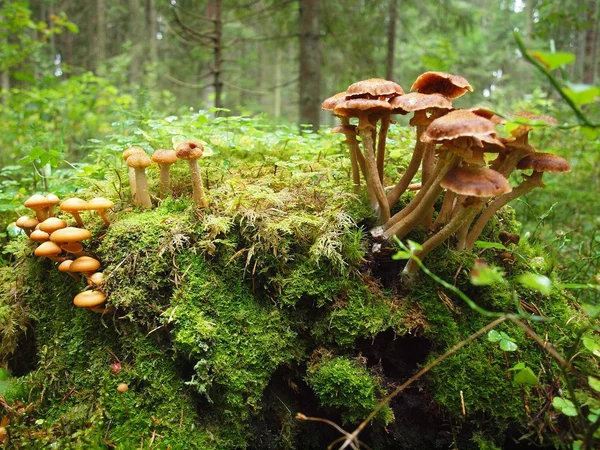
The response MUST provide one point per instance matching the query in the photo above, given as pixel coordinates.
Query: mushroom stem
(446, 209)
(164, 178)
(411, 170)
(77, 217)
(462, 216)
(142, 197)
(381, 141)
(530, 183)
(197, 188)
(373, 183)
(132, 183)
(354, 150)
(102, 214)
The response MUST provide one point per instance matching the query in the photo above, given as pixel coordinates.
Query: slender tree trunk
(152, 27)
(6, 74)
(277, 102)
(310, 63)
(391, 39)
(591, 38)
(135, 36)
(217, 15)
(100, 51)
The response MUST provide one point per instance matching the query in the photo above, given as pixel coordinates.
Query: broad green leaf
(564, 406)
(590, 133)
(594, 383)
(494, 336)
(582, 94)
(594, 413)
(485, 245)
(401, 255)
(519, 366)
(592, 344)
(537, 282)
(553, 60)
(526, 376)
(508, 346)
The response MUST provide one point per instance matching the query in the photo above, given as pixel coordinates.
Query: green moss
(345, 384)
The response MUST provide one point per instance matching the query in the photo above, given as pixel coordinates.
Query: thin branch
(184, 84)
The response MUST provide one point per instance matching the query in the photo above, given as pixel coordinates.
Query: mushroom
(39, 236)
(39, 204)
(474, 183)
(75, 248)
(89, 299)
(52, 200)
(139, 162)
(27, 224)
(95, 279)
(131, 172)
(65, 267)
(191, 151)
(50, 250)
(539, 163)
(51, 224)
(85, 265)
(100, 205)
(164, 158)
(70, 234)
(73, 206)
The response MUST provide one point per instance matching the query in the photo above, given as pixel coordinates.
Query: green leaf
(414, 246)
(564, 406)
(594, 383)
(494, 336)
(485, 245)
(401, 255)
(590, 133)
(553, 60)
(508, 346)
(526, 377)
(582, 94)
(519, 366)
(594, 413)
(536, 282)
(591, 344)
(484, 275)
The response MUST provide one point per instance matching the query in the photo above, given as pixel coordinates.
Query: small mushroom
(139, 162)
(164, 158)
(50, 250)
(89, 299)
(65, 267)
(52, 200)
(191, 151)
(74, 206)
(39, 204)
(27, 224)
(39, 236)
(51, 224)
(75, 248)
(86, 265)
(70, 234)
(131, 172)
(95, 279)
(100, 205)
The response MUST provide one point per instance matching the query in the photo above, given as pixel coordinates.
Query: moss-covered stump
(229, 321)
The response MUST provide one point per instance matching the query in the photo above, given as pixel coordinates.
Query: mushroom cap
(164, 156)
(65, 266)
(70, 234)
(52, 199)
(51, 224)
(89, 299)
(96, 278)
(73, 204)
(72, 247)
(99, 203)
(451, 86)
(37, 201)
(27, 222)
(374, 87)
(415, 101)
(48, 248)
(544, 162)
(39, 236)
(358, 106)
(475, 182)
(455, 124)
(488, 114)
(344, 129)
(330, 103)
(189, 150)
(131, 150)
(85, 264)
(138, 160)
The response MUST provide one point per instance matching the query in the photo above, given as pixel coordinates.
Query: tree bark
(152, 24)
(391, 39)
(216, 9)
(590, 52)
(310, 63)
(277, 94)
(100, 40)
(135, 36)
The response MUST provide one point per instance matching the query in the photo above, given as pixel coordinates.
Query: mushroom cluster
(62, 243)
(137, 160)
(453, 148)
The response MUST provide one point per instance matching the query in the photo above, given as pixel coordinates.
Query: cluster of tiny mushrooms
(453, 148)
(62, 243)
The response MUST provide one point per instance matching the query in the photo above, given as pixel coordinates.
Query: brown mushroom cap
(37, 201)
(488, 114)
(99, 203)
(51, 224)
(70, 234)
(451, 86)
(458, 123)
(357, 106)
(52, 199)
(163, 156)
(416, 101)
(138, 160)
(475, 182)
(72, 247)
(48, 248)
(131, 150)
(85, 264)
(73, 204)
(330, 103)
(96, 278)
(65, 266)
(190, 150)
(39, 236)
(374, 87)
(544, 162)
(26, 222)
(89, 299)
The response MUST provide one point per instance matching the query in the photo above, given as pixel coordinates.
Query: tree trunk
(277, 102)
(100, 40)
(591, 38)
(310, 63)
(216, 12)
(391, 39)
(152, 26)
(135, 37)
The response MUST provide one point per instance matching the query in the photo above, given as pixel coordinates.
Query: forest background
(76, 73)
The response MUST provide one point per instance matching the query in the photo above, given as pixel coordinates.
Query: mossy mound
(229, 321)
